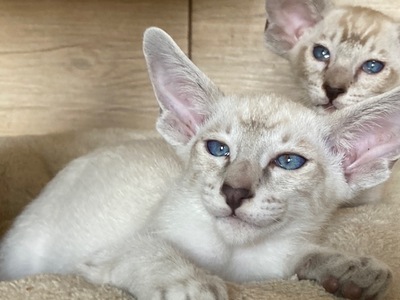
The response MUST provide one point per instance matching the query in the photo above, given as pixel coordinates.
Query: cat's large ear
(288, 19)
(184, 93)
(368, 137)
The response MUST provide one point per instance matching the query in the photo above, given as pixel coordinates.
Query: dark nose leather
(333, 92)
(234, 196)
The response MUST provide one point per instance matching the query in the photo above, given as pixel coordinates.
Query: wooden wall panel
(77, 64)
(228, 44)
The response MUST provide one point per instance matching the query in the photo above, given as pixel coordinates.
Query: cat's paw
(198, 285)
(347, 276)
(206, 288)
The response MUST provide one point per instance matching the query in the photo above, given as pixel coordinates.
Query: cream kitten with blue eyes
(341, 55)
(238, 192)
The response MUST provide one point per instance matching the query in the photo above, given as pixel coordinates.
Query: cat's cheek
(207, 174)
(214, 203)
(264, 210)
(372, 84)
(312, 84)
(298, 193)
(201, 160)
(310, 73)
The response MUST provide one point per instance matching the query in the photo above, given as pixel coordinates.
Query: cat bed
(370, 229)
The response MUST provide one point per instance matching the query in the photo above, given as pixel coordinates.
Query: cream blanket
(28, 163)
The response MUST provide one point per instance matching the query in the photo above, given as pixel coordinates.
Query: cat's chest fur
(197, 238)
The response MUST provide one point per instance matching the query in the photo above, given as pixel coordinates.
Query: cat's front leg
(149, 268)
(344, 275)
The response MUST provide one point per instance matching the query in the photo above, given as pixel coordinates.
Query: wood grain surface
(228, 44)
(78, 64)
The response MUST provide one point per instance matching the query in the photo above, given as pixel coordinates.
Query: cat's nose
(234, 196)
(333, 92)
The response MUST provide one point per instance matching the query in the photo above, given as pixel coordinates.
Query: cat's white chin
(236, 230)
(236, 222)
(325, 108)
(329, 108)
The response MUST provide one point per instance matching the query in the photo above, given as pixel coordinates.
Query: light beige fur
(370, 229)
(269, 234)
(352, 34)
(27, 163)
(340, 232)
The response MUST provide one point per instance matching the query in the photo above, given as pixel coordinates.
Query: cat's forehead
(358, 24)
(259, 114)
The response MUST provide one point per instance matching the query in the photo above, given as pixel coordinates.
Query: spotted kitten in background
(341, 55)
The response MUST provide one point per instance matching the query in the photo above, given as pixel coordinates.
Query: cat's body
(134, 210)
(28, 163)
(340, 55)
(254, 179)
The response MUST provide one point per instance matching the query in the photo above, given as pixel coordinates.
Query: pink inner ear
(294, 19)
(178, 99)
(379, 142)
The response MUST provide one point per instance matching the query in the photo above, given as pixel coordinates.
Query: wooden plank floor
(79, 64)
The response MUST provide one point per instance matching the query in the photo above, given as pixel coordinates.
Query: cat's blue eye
(372, 66)
(290, 161)
(217, 148)
(321, 53)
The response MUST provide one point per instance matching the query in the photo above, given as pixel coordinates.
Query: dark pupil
(374, 66)
(324, 53)
(217, 148)
(321, 53)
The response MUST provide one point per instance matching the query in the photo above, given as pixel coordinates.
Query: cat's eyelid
(216, 137)
(321, 53)
(377, 66)
(301, 161)
(322, 44)
(291, 153)
(217, 148)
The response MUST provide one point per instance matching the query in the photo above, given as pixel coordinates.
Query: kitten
(238, 193)
(341, 55)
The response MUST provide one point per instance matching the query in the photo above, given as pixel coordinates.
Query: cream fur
(353, 35)
(27, 163)
(97, 217)
(356, 229)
